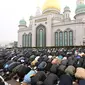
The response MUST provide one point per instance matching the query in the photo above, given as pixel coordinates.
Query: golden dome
(51, 4)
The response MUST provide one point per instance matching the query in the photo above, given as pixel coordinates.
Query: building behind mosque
(51, 28)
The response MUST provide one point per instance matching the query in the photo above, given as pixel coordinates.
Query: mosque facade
(51, 28)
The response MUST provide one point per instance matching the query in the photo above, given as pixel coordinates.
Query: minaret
(66, 13)
(79, 2)
(22, 24)
(80, 9)
(38, 10)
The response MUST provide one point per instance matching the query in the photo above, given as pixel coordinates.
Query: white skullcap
(64, 58)
(49, 56)
(22, 61)
(37, 58)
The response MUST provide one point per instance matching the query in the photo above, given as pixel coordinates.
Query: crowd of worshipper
(43, 66)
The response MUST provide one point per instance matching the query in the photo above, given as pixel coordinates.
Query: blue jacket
(27, 78)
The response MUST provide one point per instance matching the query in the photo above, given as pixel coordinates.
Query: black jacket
(40, 76)
(51, 79)
(66, 80)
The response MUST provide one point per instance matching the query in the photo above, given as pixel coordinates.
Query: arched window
(30, 40)
(60, 38)
(56, 39)
(65, 38)
(24, 40)
(70, 38)
(41, 36)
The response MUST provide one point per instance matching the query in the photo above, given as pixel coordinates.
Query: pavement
(13, 82)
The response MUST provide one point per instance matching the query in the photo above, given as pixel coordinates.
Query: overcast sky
(11, 11)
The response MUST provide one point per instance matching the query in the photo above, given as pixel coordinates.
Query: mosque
(51, 28)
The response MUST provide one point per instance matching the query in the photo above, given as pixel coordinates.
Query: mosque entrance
(41, 36)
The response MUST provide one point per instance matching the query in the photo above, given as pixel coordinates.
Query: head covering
(60, 56)
(57, 57)
(64, 58)
(32, 57)
(37, 58)
(6, 66)
(70, 70)
(49, 56)
(22, 61)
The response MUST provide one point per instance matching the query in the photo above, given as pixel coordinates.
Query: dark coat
(71, 62)
(61, 70)
(40, 76)
(66, 80)
(2, 83)
(42, 65)
(54, 68)
(64, 62)
(51, 79)
(83, 64)
(78, 62)
(82, 82)
(48, 66)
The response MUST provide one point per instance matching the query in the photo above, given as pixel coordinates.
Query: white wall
(35, 25)
(20, 34)
(78, 32)
(51, 27)
(80, 17)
